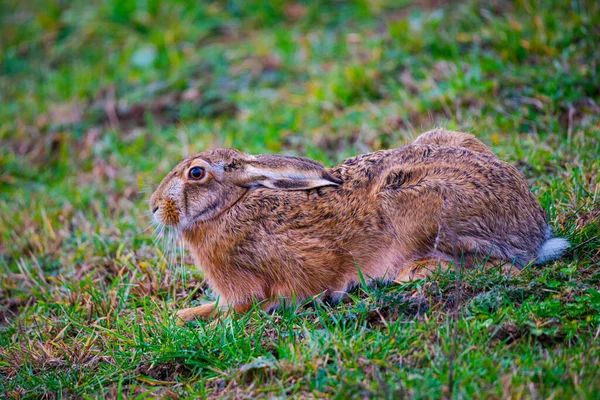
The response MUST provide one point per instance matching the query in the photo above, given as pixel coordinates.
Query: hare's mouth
(168, 214)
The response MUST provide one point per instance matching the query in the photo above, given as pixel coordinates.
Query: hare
(272, 228)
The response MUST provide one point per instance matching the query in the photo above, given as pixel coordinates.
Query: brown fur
(446, 196)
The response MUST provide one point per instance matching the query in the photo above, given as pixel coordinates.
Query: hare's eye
(197, 173)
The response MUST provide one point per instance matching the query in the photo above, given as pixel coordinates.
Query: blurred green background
(99, 99)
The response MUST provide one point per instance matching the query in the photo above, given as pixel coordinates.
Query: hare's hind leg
(424, 267)
(420, 269)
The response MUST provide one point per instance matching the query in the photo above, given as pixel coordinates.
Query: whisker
(182, 274)
(147, 229)
(161, 238)
(171, 251)
(156, 235)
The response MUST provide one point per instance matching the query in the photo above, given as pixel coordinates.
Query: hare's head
(202, 186)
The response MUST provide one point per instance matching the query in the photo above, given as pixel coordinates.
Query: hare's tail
(551, 249)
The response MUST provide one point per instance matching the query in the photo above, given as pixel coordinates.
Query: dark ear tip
(331, 178)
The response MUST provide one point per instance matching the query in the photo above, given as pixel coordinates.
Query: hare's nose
(154, 202)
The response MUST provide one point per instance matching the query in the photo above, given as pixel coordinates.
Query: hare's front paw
(203, 311)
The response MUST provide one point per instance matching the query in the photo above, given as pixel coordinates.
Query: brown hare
(272, 228)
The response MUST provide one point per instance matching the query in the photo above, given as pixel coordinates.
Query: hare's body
(390, 214)
(394, 208)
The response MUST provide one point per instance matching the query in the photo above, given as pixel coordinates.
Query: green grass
(98, 100)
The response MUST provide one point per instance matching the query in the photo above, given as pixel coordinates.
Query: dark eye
(197, 173)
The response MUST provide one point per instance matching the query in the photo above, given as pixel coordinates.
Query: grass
(98, 100)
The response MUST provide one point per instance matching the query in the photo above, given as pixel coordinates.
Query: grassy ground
(98, 100)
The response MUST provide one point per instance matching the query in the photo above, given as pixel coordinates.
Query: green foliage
(98, 100)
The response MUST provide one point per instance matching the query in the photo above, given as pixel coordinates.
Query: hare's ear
(280, 173)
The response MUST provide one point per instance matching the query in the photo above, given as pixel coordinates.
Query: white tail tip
(551, 250)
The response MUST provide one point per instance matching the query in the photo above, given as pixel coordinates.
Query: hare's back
(418, 164)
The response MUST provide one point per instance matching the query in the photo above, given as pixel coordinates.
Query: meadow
(100, 99)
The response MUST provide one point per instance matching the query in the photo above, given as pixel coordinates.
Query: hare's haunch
(272, 228)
